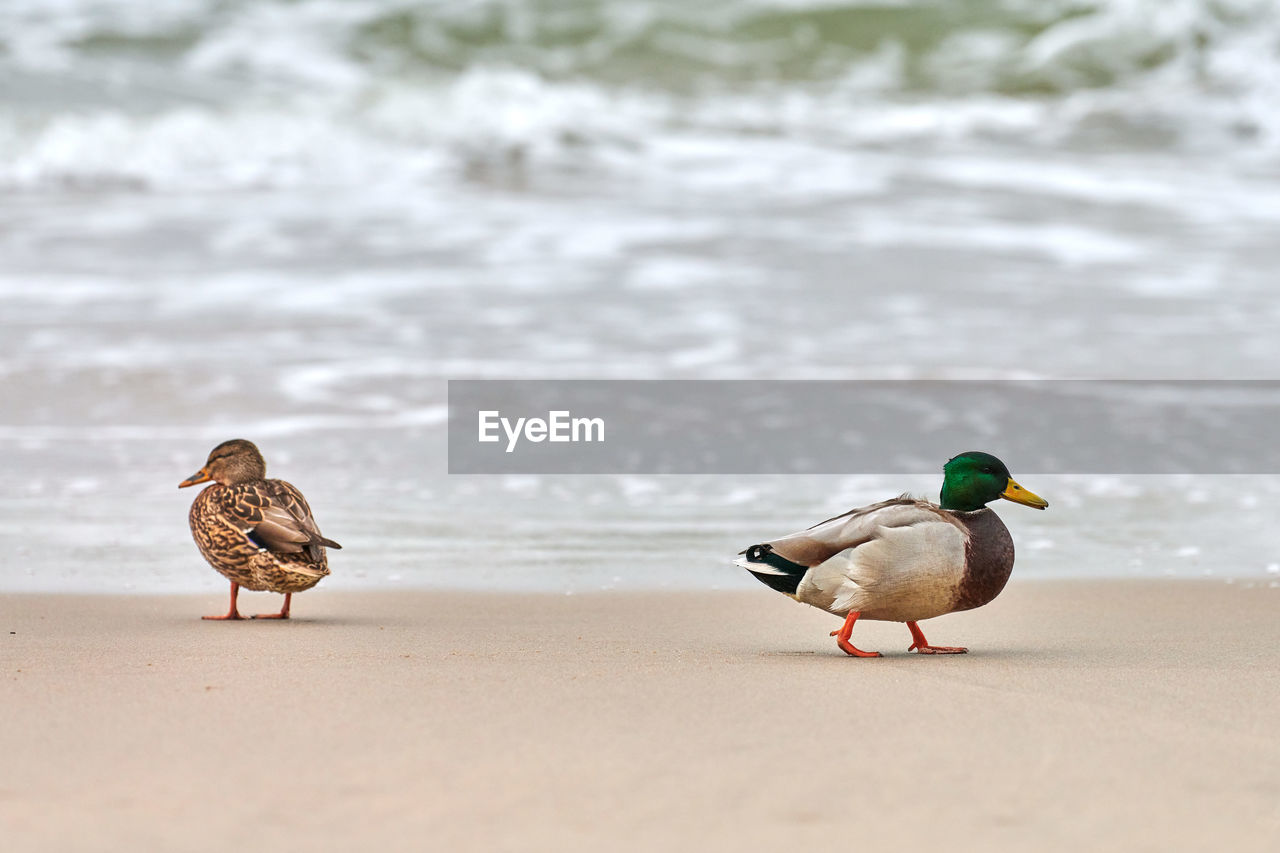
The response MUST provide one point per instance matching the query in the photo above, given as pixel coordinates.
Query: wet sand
(1091, 715)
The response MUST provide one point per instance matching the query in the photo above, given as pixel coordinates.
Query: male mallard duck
(902, 560)
(258, 533)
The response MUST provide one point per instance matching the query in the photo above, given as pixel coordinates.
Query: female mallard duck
(258, 533)
(902, 560)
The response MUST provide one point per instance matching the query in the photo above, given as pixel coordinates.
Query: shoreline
(736, 585)
(1107, 714)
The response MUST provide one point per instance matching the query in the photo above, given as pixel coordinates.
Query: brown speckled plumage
(257, 533)
(260, 535)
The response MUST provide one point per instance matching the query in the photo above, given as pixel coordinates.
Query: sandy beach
(304, 223)
(1099, 715)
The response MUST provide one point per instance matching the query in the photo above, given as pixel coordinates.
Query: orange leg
(842, 638)
(284, 611)
(922, 646)
(233, 613)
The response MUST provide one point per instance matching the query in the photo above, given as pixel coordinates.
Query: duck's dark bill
(1017, 494)
(201, 476)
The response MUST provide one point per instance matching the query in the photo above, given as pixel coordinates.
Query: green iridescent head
(974, 479)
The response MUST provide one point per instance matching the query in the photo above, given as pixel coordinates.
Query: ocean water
(294, 221)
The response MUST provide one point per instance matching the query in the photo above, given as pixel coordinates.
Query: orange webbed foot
(233, 613)
(284, 611)
(921, 645)
(937, 650)
(842, 638)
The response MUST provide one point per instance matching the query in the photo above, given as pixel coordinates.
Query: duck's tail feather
(772, 569)
(314, 549)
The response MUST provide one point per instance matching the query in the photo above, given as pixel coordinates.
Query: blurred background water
(293, 221)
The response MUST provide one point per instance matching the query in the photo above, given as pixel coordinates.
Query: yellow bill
(202, 476)
(1017, 494)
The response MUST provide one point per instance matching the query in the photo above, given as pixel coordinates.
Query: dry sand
(1089, 716)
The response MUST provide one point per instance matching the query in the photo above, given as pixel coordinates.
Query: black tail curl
(790, 573)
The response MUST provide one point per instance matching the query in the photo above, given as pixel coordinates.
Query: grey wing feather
(291, 500)
(275, 515)
(856, 527)
(279, 531)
